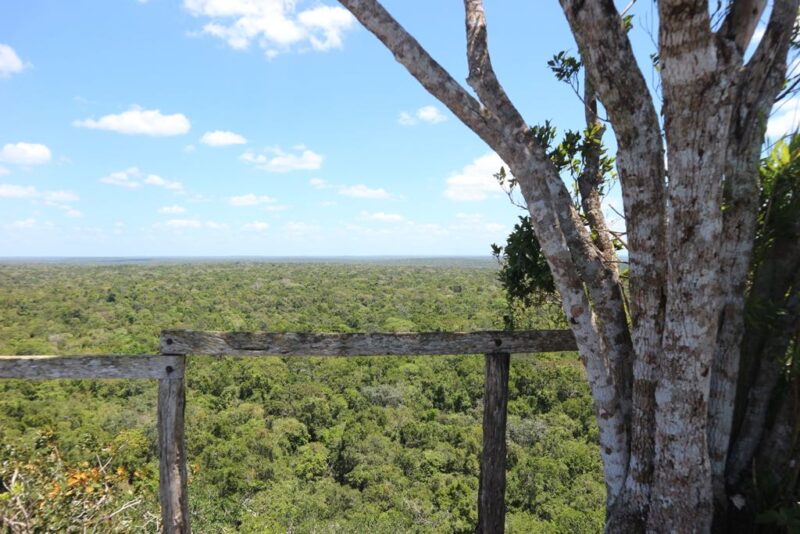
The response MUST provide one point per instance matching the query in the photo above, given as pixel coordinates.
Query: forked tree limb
(537, 177)
(613, 72)
(758, 85)
(741, 22)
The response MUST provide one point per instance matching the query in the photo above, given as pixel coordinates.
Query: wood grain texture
(77, 367)
(173, 492)
(492, 484)
(376, 344)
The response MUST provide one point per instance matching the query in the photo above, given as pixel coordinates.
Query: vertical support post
(171, 449)
(492, 485)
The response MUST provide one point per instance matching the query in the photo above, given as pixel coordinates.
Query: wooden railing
(175, 345)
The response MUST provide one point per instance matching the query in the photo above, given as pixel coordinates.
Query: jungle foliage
(378, 444)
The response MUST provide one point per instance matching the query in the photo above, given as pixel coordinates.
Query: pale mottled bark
(539, 179)
(620, 85)
(437, 81)
(685, 316)
(696, 81)
(756, 86)
(741, 22)
(552, 215)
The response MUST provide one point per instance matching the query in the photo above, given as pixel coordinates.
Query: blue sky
(255, 127)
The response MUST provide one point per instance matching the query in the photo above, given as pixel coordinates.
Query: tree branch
(612, 70)
(756, 88)
(741, 22)
(433, 77)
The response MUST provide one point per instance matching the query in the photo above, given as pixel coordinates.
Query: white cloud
(4, 171)
(189, 149)
(250, 200)
(213, 225)
(55, 199)
(154, 179)
(429, 114)
(277, 160)
(10, 63)
(362, 191)
(172, 210)
(25, 154)
(123, 178)
(222, 138)
(59, 197)
(17, 191)
(184, 223)
(138, 121)
(132, 178)
(255, 226)
(275, 25)
(381, 216)
(318, 183)
(325, 25)
(23, 224)
(406, 119)
(785, 118)
(475, 181)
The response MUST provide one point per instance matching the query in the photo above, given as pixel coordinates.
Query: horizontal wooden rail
(50, 367)
(377, 344)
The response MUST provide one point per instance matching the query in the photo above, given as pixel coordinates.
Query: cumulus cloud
(363, 191)
(10, 63)
(277, 26)
(255, 226)
(133, 178)
(22, 224)
(219, 138)
(380, 216)
(318, 183)
(138, 121)
(123, 178)
(475, 181)
(172, 210)
(250, 199)
(25, 154)
(56, 199)
(154, 179)
(275, 159)
(4, 171)
(17, 191)
(428, 114)
(184, 223)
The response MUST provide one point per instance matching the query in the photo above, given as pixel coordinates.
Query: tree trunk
(664, 434)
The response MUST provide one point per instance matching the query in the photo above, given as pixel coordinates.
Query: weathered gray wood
(377, 344)
(492, 484)
(52, 367)
(172, 454)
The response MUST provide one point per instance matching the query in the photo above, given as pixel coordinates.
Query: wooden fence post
(492, 485)
(172, 455)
